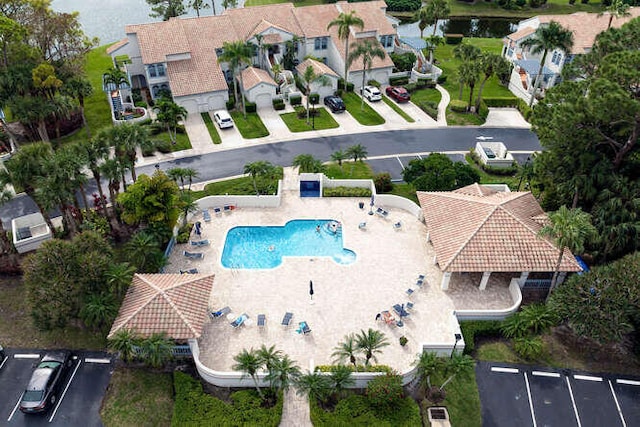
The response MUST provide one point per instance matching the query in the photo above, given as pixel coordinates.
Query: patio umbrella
(373, 202)
(311, 288)
(198, 225)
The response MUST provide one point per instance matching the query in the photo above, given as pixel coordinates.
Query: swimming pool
(254, 247)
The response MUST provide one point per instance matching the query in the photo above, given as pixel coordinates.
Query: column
(523, 278)
(485, 279)
(444, 284)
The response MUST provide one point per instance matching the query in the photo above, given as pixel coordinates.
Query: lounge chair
(399, 309)
(303, 328)
(419, 283)
(409, 305)
(228, 208)
(362, 226)
(382, 212)
(420, 276)
(261, 319)
(206, 215)
(199, 243)
(193, 255)
(397, 225)
(409, 291)
(217, 211)
(190, 271)
(286, 320)
(219, 313)
(240, 320)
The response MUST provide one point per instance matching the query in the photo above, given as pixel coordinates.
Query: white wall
(254, 94)
(203, 102)
(516, 297)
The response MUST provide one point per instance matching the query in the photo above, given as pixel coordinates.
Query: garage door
(191, 105)
(216, 102)
(263, 100)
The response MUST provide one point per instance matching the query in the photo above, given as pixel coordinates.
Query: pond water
(469, 27)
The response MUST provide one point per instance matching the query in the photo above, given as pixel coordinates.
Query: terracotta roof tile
(372, 13)
(319, 68)
(252, 76)
(171, 303)
(117, 45)
(491, 231)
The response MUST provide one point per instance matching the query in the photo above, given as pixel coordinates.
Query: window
(152, 71)
(160, 70)
(558, 59)
(321, 43)
(386, 41)
(509, 53)
(155, 89)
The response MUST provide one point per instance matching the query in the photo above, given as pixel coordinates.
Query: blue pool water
(264, 247)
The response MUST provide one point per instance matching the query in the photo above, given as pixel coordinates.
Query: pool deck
(347, 297)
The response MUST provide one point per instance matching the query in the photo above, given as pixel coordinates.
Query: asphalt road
(404, 144)
(85, 386)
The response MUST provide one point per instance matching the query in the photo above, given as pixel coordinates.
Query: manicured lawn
(421, 97)
(323, 120)
(17, 328)
(251, 127)
(213, 132)
(483, 9)
(182, 141)
(364, 114)
(462, 400)
(397, 109)
(405, 190)
(239, 186)
(349, 170)
(138, 397)
(486, 178)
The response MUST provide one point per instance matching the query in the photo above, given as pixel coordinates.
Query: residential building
(584, 26)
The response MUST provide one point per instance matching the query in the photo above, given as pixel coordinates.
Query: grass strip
(363, 113)
(250, 127)
(182, 141)
(397, 109)
(213, 132)
(323, 120)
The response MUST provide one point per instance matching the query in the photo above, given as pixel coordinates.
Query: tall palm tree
(213, 6)
(314, 385)
(617, 9)
(344, 22)
(468, 74)
(569, 229)
(346, 350)
(269, 356)
(458, 364)
(490, 64)
(197, 5)
(127, 139)
(119, 277)
(236, 54)
(357, 152)
(308, 77)
(255, 169)
(432, 12)
(370, 343)
(427, 364)
(248, 362)
(432, 43)
(113, 170)
(125, 342)
(465, 53)
(190, 174)
(170, 115)
(157, 349)
(367, 51)
(5, 244)
(79, 88)
(284, 370)
(547, 38)
(96, 151)
(116, 77)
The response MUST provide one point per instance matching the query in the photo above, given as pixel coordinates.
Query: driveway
(78, 405)
(520, 395)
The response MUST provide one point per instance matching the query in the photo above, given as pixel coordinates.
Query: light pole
(458, 337)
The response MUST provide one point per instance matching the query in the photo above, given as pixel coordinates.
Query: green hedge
(524, 109)
(231, 103)
(194, 407)
(458, 105)
(295, 100)
(350, 85)
(510, 171)
(429, 107)
(503, 101)
(441, 79)
(251, 107)
(358, 368)
(403, 5)
(355, 410)
(314, 98)
(472, 329)
(453, 38)
(346, 192)
(398, 81)
(278, 104)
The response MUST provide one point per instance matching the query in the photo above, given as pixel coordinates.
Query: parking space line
(26, 356)
(506, 370)
(615, 399)
(53, 414)
(4, 361)
(587, 378)
(545, 374)
(628, 382)
(15, 408)
(573, 402)
(533, 415)
(92, 360)
(400, 161)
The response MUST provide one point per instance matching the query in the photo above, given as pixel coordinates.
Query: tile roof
(520, 34)
(171, 303)
(117, 45)
(252, 76)
(490, 231)
(372, 13)
(319, 68)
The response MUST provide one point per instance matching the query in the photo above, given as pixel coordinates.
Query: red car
(398, 93)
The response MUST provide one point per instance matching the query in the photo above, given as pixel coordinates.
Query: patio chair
(286, 320)
(409, 291)
(228, 208)
(303, 328)
(362, 226)
(420, 276)
(382, 212)
(206, 215)
(261, 320)
(193, 255)
(199, 243)
(217, 211)
(419, 283)
(240, 320)
(409, 305)
(220, 313)
(397, 225)
(190, 271)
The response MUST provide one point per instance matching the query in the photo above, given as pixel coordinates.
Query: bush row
(453, 38)
(278, 104)
(500, 102)
(473, 329)
(358, 368)
(429, 107)
(398, 81)
(350, 85)
(346, 192)
(403, 5)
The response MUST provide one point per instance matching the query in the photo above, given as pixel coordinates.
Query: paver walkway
(295, 410)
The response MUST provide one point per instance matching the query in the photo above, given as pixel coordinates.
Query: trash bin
(361, 205)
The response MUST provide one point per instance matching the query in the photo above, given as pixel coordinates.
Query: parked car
(335, 104)
(223, 119)
(398, 93)
(46, 382)
(372, 93)
(2, 355)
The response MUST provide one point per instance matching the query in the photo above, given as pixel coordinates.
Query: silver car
(372, 93)
(223, 119)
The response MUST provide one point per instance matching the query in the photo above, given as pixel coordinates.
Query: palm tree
(357, 152)
(569, 229)
(341, 378)
(157, 349)
(370, 343)
(339, 156)
(119, 277)
(308, 77)
(437, 10)
(490, 64)
(229, 4)
(314, 385)
(96, 150)
(255, 169)
(197, 5)
(458, 364)
(269, 356)
(344, 22)
(33, 112)
(213, 6)
(427, 364)
(283, 371)
(248, 362)
(367, 50)
(547, 38)
(617, 9)
(99, 310)
(143, 253)
(346, 350)
(423, 18)
(79, 88)
(236, 54)
(170, 115)
(190, 174)
(127, 138)
(125, 342)
(465, 53)
(468, 73)
(307, 163)
(432, 43)
(116, 77)
(113, 170)
(5, 244)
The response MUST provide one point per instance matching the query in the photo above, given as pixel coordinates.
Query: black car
(335, 104)
(46, 382)
(2, 355)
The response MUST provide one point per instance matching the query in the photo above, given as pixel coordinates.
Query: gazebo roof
(172, 303)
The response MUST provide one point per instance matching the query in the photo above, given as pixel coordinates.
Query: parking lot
(518, 395)
(80, 397)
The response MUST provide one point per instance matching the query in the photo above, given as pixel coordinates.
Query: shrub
(163, 146)
(374, 83)
(398, 81)
(346, 192)
(314, 98)
(278, 104)
(430, 107)
(350, 85)
(453, 38)
(529, 348)
(295, 100)
(473, 329)
(411, 87)
(358, 368)
(301, 112)
(250, 107)
(503, 101)
(385, 391)
(441, 79)
(403, 61)
(403, 5)
(458, 105)
(403, 340)
(184, 233)
(231, 103)
(524, 109)
(383, 182)
(484, 110)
